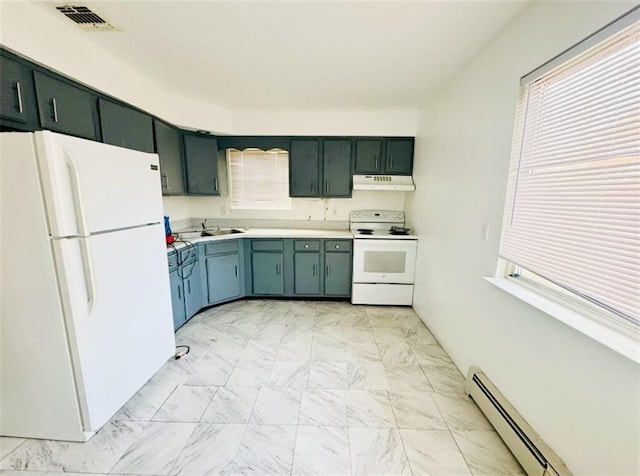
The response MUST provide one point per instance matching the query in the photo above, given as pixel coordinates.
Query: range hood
(401, 183)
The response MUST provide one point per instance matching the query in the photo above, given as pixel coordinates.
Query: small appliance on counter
(169, 238)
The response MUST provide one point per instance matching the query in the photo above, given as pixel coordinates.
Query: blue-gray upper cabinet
(201, 161)
(223, 270)
(18, 108)
(65, 108)
(304, 168)
(336, 168)
(168, 141)
(392, 155)
(125, 127)
(267, 267)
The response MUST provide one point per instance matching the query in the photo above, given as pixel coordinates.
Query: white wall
(346, 123)
(582, 398)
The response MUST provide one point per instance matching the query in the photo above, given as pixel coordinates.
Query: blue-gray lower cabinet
(193, 288)
(223, 270)
(186, 278)
(177, 293)
(268, 267)
(223, 277)
(268, 273)
(307, 267)
(215, 272)
(307, 273)
(337, 274)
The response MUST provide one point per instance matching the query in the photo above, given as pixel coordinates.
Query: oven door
(384, 261)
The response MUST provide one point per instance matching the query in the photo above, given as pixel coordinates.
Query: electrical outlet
(334, 211)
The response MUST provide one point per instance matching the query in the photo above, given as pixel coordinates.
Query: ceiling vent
(86, 18)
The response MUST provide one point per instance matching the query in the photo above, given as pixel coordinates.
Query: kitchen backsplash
(213, 222)
(305, 212)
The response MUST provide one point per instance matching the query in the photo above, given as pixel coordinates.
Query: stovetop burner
(379, 225)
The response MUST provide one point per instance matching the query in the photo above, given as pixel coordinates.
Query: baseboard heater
(533, 454)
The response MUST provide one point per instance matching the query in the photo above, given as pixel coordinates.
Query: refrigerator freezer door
(119, 319)
(92, 187)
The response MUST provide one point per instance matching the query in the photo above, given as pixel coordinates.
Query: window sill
(614, 340)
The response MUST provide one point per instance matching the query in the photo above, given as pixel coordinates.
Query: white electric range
(384, 256)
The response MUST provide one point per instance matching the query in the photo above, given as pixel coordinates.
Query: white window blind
(572, 212)
(259, 179)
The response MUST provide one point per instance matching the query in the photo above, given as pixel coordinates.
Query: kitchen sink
(189, 234)
(223, 231)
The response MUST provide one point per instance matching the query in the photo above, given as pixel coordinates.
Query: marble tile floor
(275, 387)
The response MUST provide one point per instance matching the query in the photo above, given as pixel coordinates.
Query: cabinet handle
(391, 162)
(375, 162)
(328, 270)
(327, 186)
(314, 270)
(306, 245)
(215, 184)
(277, 270)
(19, 94)
(179, 293)
(337, 247)
(55, 109)
(313, 185)
(236, 270)
(189, 286)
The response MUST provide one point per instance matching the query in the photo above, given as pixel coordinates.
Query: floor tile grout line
(453, 437)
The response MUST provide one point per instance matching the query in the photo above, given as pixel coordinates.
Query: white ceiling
(300, 54)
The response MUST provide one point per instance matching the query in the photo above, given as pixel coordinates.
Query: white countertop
(268, 233)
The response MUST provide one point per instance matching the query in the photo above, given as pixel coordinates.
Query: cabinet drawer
(306, 245)
(188, 255)
(267, 245)
(221, 247)
(337, 245)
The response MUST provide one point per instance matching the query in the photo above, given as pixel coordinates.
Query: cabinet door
(223, 277)
(368, 156)
(399, 156)
(304, 168)
(169, 148)
(307, 273)
(201, 161)
(337, 274)
(177, 299)
(18, 102)
(65, 108)
(336, 161)
(267, 272)
(193, 288)
(125, 127)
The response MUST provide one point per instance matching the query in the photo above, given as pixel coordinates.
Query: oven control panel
(375, 216)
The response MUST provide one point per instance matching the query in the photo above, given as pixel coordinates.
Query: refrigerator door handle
(77, 196)
(89, 276)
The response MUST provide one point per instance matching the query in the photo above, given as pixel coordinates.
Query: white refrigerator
(85, 299)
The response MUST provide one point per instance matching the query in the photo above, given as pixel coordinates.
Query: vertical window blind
(572, 211)
(259, 179)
